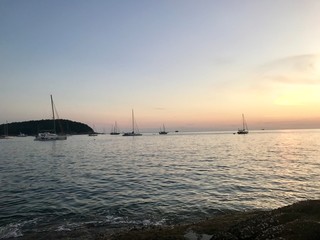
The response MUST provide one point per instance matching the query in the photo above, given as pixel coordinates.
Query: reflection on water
(111, 180)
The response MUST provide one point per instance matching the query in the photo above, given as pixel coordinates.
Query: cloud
(301, 69)
(159, 108)
(292, 79)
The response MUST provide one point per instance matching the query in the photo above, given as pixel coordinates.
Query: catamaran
(50, 136)
(133, 133)
(244, 129)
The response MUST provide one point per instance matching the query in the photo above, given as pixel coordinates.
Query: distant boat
(244, 129)
(22, 135)
(133, 133)
(115, 130)
(93, 134)
(163, 131)
(5, 132)
(51, 136)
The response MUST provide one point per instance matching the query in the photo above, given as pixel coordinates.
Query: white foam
(10, 231)
(146, 222)
(62, 228)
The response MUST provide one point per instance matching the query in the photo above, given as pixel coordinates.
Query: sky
(191, 65)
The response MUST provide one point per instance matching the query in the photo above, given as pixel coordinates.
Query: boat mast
(53, 118)
(132, 121)
(243, 122)
(6, 129)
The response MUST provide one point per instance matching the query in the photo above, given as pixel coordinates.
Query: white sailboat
(50, 136)
(133, 133)
(244, 129)
(22, 135)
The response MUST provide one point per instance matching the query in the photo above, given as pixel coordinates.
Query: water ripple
(151, 180)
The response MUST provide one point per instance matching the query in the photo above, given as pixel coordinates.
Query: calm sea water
(116, 181)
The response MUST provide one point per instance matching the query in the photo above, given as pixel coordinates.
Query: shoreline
(297, 221)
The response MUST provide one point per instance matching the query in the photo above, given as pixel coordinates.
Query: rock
(300, 221)
(223, 236)
(251, 228)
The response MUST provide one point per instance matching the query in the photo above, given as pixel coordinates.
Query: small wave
(69, 226)
(145, 222)
(13, 230)
(63, 228)
(113, 220)
(10, 231)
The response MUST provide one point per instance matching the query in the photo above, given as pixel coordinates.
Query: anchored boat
(51, 136)
(244, 129)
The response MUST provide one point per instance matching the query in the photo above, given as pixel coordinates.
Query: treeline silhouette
(35, 126)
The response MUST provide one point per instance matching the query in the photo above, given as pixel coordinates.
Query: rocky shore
(299, 221)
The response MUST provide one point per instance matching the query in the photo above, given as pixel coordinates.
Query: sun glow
(298, 96)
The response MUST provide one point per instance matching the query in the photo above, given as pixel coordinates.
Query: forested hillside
(36, 126)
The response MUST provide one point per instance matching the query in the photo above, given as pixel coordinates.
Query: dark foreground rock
(300, 221)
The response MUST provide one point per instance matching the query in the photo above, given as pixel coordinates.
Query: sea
(151, 180)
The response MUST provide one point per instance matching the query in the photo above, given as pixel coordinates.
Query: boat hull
(92, 134)
(49, 137)
(131, 134)
(4, 137)
(243, 132)
(114, 133)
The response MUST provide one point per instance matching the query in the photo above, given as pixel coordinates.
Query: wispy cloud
(301, 69)
(159, 108)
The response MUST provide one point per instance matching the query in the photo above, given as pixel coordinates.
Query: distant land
(33, 127)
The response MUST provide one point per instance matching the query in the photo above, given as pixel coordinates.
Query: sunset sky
(192, 65)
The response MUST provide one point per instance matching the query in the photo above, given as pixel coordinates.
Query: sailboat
(5, 132)
(22, 135)
(115, 130)
(133, 133)
(50, 136)
(244, 129)
(94, 133)
(163, 130)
